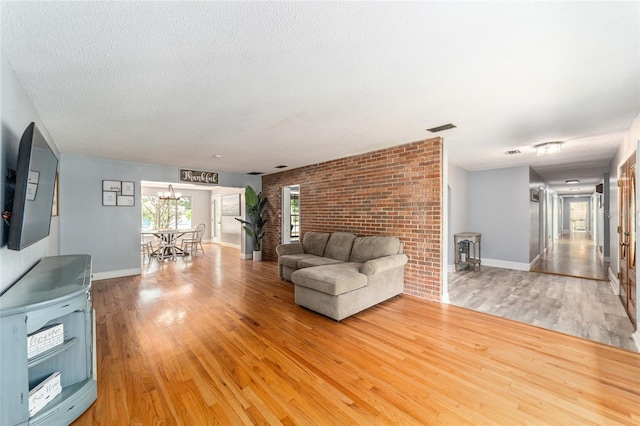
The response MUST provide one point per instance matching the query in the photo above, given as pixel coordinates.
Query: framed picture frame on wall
(231, 205)
(535, 194)
(119, 193)
(125, 200)
(128, 188)
(112, 185)
(109, 198)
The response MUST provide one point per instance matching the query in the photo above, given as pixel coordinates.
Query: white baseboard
(116, 274)
(506, 264)
(223, 244)
(533, 262)
(500, 264)
(636, 339)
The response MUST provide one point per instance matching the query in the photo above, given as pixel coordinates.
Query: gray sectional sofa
(338, 274)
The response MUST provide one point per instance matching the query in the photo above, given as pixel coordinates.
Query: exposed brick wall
(395, 191)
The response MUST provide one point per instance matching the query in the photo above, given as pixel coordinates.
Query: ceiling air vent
(514, 152)
(255, 173)
(281, 167)
(441, 128)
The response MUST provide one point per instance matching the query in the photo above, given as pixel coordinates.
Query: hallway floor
(575, 255)
(581, 307)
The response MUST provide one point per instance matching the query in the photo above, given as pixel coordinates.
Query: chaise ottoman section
(331, 279)
(336, 291)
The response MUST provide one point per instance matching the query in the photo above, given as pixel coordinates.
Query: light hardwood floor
(219, 340)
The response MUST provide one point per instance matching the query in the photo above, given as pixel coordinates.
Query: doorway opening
(574, 251)
(290, 214)
(578, 216)
(226, 207)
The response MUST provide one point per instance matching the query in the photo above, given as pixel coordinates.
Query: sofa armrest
(385, 263)
(291, 248)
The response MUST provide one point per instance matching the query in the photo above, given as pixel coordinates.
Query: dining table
(169, 238)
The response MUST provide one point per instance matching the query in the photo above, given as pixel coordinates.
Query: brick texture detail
(395, 191)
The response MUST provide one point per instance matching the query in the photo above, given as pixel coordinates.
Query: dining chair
(146, 248)
(193, 243)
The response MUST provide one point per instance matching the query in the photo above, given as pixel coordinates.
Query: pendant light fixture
(169, 195)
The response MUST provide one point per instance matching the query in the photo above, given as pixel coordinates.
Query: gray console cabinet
(468, 251)
(55, 291)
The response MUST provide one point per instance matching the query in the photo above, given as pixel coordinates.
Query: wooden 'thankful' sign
(198, 176)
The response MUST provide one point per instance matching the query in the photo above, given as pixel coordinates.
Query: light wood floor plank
(219, 340)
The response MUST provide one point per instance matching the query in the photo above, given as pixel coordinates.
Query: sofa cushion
(331, 279)
(339, 246)
(291, 248)
(309, 262)
(291, 260)
(315, 242)
(384, 263)
(373, 247)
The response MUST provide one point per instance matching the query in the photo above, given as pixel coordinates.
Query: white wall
(111, 234)
(499, 209)
(17, 112)
(460, 209)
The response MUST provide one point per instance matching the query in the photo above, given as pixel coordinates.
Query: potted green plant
(256, 203)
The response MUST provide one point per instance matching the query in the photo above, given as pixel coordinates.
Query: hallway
(574, 254)
(568, 290)
(581, 307)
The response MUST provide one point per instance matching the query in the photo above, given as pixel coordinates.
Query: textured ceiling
(296, 83)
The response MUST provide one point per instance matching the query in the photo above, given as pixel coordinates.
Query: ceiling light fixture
(549, 148)
(574, 189)
(571, 181)
(169, 195)
(216, 156)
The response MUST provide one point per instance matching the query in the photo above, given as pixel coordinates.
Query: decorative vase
(257, 256)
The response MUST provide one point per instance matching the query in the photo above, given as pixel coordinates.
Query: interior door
(627, 237)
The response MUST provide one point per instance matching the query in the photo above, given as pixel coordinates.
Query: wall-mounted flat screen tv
(35, 183)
